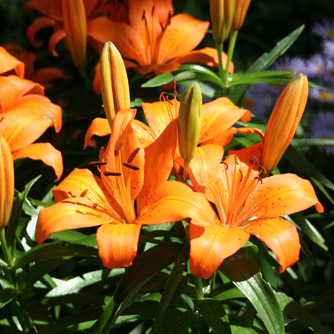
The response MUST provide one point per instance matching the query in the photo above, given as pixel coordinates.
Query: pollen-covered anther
(117, 148)
(112, 173)
(130, 166)
(263, 170)
(84, 193)
(225, 164)
(241, 174)
(133, 155)
(96, 163)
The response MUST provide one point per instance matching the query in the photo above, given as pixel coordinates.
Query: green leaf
(308, 142)
(298, 160)
(160, 80)
(298, 312)
(243, 271)
(310, 230)
(276, 77)
(214, 314)
(264, 61)
(53, 250)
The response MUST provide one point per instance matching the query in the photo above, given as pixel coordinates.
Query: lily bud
(240, 14)
(222, 13)
(75, 25)
(114, 81)
(189, 124)
(283, 121)
(6, 182)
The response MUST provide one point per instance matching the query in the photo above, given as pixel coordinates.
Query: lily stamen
(117, 148)
(133, 155)
(130, 166)
(112, 173)
(96, 163)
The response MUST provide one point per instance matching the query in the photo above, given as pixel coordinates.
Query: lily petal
(211, 245)
(44, 152)
(182, 35)
(143, 132)
(280, 195)
(38, 24)
(9, 62)
(99, 127)
(174, 201)
(56, 37)
(72, 213)
(117, 244)
(280, 236)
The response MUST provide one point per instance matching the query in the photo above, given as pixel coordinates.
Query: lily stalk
(189, 124)
(75, 25)
(114, 82)
(283, 121)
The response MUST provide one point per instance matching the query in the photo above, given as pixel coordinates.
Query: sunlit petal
(117, 244)
(280, 236)
(99, 127)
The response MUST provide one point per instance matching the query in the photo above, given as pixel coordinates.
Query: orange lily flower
(43, 76)
(127, 175)
(9, 62)
(217, 118)
(154, 40)
(248, 205)
(72, 27)
(25, 116)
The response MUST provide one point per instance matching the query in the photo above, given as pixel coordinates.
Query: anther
(152, 12)
(262, 169)
(133, 155)
(1, 119)
(117, 148)
(96, 163)
(253, 161)
(242, 175)
(225, 164)
(112, 173)
(130, 166)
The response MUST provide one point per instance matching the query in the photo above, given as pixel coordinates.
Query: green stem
(219, 47)
(231, 45)
(5, 249)
(199, 287)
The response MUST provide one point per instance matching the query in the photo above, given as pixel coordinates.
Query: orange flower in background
(25, 115)
(154, 40)
(43, 76)
(247, 206)
(60, 15)
(217, 119)
(127, 175)
(6, 183)
(9, 63)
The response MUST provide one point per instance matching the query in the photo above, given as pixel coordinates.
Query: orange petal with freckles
(218, 116)
(211, 245)
(72, 213)
(117, 244)
(160, 114)
(280, 195)
(99, 127)
(181, 36)
(38, 24)
(44, 152)
(174, 201)
(9, 62)
(207, 56)
(56, 37)
(159, 157)
(280, 236)
(143, 132)
(205, 164)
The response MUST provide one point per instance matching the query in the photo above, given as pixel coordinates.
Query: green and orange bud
(114, 81)
(75, 25)
(283, 121)
(222, 14)
(6, 182)
(189, 124)
(240, 14)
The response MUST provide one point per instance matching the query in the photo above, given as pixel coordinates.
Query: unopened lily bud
(75, 24)
(222, 13)
(6, 182)
(240, 14)
(283, 121)
(189, 123)
(114, 81)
